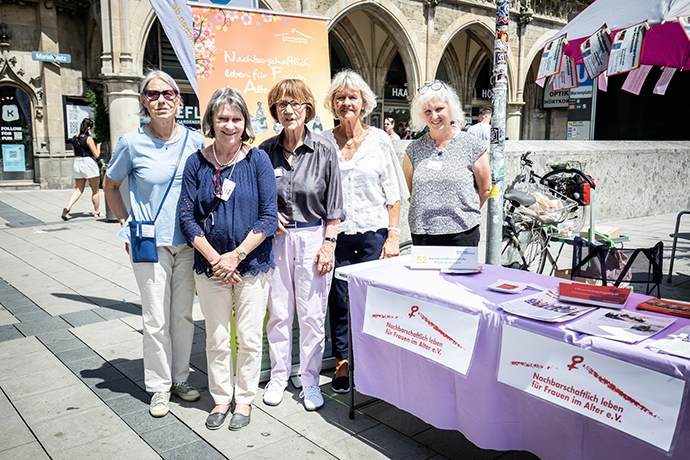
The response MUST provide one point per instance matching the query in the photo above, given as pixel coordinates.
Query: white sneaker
(312, 398)
(160, 404)
(274, 392)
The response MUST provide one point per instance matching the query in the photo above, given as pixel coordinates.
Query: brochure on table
(679, 345)
(544, 306)
(605, 389)
(620, 325)
(445, 257)
(438, 333)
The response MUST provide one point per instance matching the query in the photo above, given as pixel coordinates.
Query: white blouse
(371, 180)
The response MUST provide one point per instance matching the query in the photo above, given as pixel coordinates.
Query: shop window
(16, 133)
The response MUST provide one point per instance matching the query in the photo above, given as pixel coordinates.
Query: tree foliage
(101, 118)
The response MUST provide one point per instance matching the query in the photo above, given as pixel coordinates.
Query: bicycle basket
(551, 208)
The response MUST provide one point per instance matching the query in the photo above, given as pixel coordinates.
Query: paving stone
(130, 403)
(401, 421)
(6, 408)
(113, 389)
(79, 318)
(130, 368)
(296, 445)
(36, 380)
(198, 450)
(9, 332)
(6, 317)
(143, 421)
(55, 336)
(125, 445)
(20, 347)
(10, 294)
(41, 326)
(14, 433)
(170, 436)
(32, 451)
(76, 354)
(379, 442)
(26, 316)
(93, 377)
(19, 303)
(117, 312)
(52, 403)
(81, 367)
(65, 345)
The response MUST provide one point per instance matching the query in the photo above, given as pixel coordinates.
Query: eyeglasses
(215, 178)
(283, 105)
(153, 95)
(434, 86)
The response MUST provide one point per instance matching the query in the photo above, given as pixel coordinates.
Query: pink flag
(635, 80)
(603, 81)
(664, 80)
(541, 81)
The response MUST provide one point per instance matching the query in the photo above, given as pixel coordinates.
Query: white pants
(167, 294)
(296, 286)
(216, 300)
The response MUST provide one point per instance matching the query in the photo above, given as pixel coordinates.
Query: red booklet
(601, 296)
(666, 306)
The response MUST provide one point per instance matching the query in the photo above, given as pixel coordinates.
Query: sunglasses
(153, 95)
(434, 86)
(283, 105)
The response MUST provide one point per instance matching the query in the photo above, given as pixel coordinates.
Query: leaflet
(544, 306)
(621, 325)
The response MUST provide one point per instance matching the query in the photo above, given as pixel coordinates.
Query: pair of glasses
(217, 188)
(434, 86)
(153, 95)
(283, 105)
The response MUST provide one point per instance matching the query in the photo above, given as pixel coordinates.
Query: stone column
(513, 120)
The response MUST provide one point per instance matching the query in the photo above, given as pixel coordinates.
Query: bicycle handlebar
(572, 170)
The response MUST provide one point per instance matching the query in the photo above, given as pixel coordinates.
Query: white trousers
(216, 300)
(167, 295)
(297, 287)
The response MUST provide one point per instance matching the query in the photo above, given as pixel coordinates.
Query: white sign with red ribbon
(630, 398)
(438, 333)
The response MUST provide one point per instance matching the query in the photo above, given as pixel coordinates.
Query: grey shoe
(160, 404)
(216, 420)
(239, 421)
(185, 391)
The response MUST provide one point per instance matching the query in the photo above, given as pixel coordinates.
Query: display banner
(638, 401)
(595, 52)
(438, 333)
(438, 257)
(252, 50)
(626, 50)
(550, 63)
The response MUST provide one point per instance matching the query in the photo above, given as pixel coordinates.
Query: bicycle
(535, 205)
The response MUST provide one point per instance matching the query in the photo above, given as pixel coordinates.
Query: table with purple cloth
(491, 414)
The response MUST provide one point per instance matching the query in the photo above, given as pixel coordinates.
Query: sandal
(65, 214)
(98, 214)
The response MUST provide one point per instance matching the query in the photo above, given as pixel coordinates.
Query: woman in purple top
(228, 214)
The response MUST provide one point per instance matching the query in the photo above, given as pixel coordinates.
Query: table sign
(436, 257)
(627, 397)
(438, 333)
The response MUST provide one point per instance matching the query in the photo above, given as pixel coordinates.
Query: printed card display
(511, 287)
(544, 306)
(684, 22)
(626, 50)
(591, 294)
(453, 257)
(623, 325)
(666, 307)
(567, 77)
(638, 401)
(441, 334)
(679, 345)
(595, 52)
(550, 63)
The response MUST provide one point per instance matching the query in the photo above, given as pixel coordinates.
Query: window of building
(16, 141)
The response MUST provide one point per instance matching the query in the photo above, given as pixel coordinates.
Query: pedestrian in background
(228, 213)
(152, 158)
(86, 154)
(389, 127)
(482, 130)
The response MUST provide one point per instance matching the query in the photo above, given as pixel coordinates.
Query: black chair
(619, 267)
(675, 235)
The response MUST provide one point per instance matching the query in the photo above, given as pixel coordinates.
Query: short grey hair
(446, 94)
(221, 98)
(157, 75)
(350, 79)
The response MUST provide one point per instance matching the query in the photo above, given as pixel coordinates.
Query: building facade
(396, 46)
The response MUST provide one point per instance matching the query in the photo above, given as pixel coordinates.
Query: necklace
(223, 165)
(162, 138)
(352, 141)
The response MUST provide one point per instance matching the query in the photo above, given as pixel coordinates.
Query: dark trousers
(351, 249)
(468, 238)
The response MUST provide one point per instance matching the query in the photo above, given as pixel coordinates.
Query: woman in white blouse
(373, 185)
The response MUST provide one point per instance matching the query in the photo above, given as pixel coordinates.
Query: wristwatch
(241, 254)
(330, 239)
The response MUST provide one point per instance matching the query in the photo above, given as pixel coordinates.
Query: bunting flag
(567, 77)
(595, 52)
(635, 79)
(626, 49)
(664, 80)
(550, 63)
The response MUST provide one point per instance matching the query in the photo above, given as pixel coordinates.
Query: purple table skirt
(490, 414)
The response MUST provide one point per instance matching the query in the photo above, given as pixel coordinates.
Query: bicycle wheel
(527, 253)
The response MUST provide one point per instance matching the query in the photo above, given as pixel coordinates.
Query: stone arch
(144, 30)
(535, 49)
(390, 18)
(345, 32)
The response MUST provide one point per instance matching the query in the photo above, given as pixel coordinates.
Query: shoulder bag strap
(179, 157)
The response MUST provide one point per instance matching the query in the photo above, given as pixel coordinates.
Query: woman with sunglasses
(389, 127)
(373, 185)
(149, 158)
(310, 208)
(447, 171)
(228, 213)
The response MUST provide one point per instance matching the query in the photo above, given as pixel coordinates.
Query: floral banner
(252, 50)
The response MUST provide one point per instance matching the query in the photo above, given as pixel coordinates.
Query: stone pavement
(71, 373)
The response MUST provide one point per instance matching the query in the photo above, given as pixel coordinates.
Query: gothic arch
(345, 32)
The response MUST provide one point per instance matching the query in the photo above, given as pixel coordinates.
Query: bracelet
(394, 229)
(330, 239)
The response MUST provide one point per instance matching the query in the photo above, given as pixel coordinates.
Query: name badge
(148, 231)
(278, 172)
(435, 164)
(228, 187)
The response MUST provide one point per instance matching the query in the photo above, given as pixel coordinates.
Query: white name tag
(148, 231)
(278, 172)
(228, 187)
(435, 164)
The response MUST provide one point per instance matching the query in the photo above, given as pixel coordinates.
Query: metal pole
(498, 129)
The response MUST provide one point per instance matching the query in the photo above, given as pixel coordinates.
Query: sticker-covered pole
(498, 129)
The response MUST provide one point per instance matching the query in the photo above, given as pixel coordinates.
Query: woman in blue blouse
(228, 213)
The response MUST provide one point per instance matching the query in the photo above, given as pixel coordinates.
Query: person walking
(86, 154)
(482, 130)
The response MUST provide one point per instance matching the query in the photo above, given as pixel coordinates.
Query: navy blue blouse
(251, 206)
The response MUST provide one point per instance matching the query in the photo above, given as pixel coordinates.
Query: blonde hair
(350, 79)
(445, 94)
